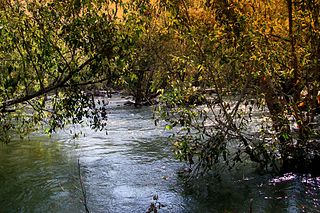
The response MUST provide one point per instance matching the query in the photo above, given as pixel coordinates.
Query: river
(123, 169)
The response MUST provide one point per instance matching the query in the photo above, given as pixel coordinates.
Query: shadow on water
(123, 169)
(235, 190)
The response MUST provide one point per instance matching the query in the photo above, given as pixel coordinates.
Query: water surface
(123, 169)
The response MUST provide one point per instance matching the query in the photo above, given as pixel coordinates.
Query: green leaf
(168, 127)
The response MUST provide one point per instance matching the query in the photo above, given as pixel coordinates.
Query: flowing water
(122, 170)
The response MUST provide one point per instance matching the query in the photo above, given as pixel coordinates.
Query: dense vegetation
(239, 79)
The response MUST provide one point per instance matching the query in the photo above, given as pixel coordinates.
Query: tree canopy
(239, 79)
(48, 52)
(261, 61)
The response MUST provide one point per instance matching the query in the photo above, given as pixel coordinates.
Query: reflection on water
(123, 169)
(36, 176)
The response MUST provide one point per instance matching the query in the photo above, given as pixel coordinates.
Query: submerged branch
(83, 190)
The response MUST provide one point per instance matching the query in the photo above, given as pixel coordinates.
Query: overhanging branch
(47, 89)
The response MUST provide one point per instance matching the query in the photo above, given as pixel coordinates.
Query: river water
(123, 169)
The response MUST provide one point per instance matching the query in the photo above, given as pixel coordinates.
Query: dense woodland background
(239, 78)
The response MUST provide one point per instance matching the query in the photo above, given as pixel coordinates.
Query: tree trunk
(279, 119)
(139, 89)
(294, 59)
